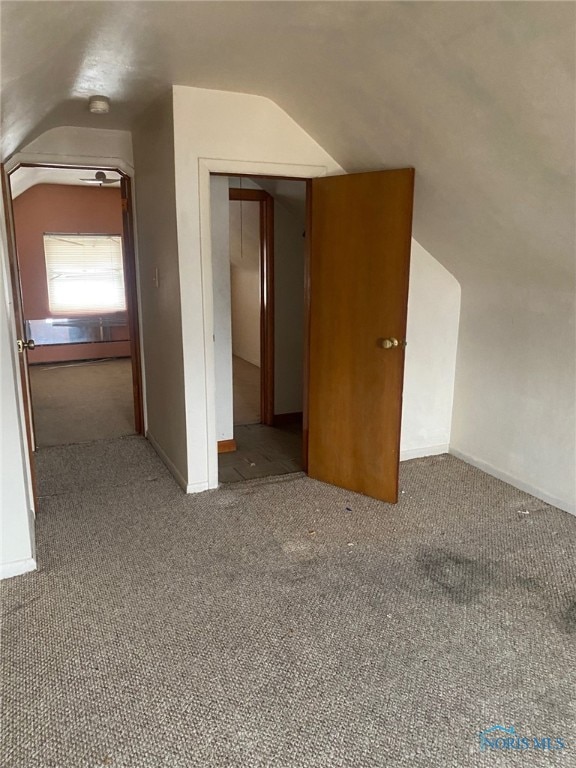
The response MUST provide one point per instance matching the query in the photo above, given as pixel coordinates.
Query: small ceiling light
(99, 179)
(99, 105)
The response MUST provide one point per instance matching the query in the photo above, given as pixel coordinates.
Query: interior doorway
(73, 272)
(251, 239)
(359, 230)
(258, 242)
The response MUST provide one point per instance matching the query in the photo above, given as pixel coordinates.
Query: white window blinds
(85, 273)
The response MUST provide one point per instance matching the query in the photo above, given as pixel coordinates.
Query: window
(85, 273)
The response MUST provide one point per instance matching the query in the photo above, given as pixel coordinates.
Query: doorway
(251, 242)
(258, 241)
(356, 296)
(74, 273)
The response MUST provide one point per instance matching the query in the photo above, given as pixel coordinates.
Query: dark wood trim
(267, 309)
(226, 446)
(248, 195)
(306, 366)
(284, 419)
(131, 286)
(16, 287)
(258, 176)
(266, 296)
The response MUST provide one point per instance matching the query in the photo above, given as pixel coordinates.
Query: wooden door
(359, 263)
(20, 326)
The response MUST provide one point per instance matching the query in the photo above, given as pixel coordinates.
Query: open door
(22, 341)
(361, 227)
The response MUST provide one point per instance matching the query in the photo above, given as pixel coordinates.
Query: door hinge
(124, 204)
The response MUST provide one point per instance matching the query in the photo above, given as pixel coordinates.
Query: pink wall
(62, 208)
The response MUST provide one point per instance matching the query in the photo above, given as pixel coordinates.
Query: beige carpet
(284, 623)
(80, 402)
(246, 391)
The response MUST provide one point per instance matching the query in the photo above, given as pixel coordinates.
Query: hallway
(82, 401)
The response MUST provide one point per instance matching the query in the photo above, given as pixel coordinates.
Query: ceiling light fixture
(99, 105)
(99, 179)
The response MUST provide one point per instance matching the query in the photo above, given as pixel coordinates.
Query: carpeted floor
(80, 402)
(283, 623)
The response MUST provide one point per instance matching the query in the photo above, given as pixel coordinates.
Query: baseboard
(17, 568)
(566, 506)
(284, 419)
(197, 487)
(226, 446)
(168, 462)
(174, 471)
(419, 453)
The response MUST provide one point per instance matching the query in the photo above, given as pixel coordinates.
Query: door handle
(22, 345)
(390, 343)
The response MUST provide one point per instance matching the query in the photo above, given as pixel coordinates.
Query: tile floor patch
(262, 451)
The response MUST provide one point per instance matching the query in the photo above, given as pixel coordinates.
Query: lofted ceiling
(478, 96)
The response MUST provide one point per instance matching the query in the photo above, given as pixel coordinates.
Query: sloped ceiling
(478, 96)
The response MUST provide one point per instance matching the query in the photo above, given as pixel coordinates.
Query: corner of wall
(432, 335)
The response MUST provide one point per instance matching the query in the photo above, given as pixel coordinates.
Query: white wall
(515, 393)
(220, 234)
(16, 516)
(245, 279)
(221, 132)
(432, 335)
(238, 133)
(174, 158)
(161, 285)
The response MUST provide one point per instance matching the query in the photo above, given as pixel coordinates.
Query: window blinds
(85, 273)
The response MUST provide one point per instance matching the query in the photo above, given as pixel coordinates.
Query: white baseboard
(174, 471)
(17, 568)
(566, 506)
(419, 453)
(197, 487)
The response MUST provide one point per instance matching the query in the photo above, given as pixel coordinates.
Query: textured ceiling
(478, 96)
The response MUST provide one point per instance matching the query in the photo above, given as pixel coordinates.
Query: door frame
(19, 328)
(247, 169)
(130, 281)
(266, 211)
